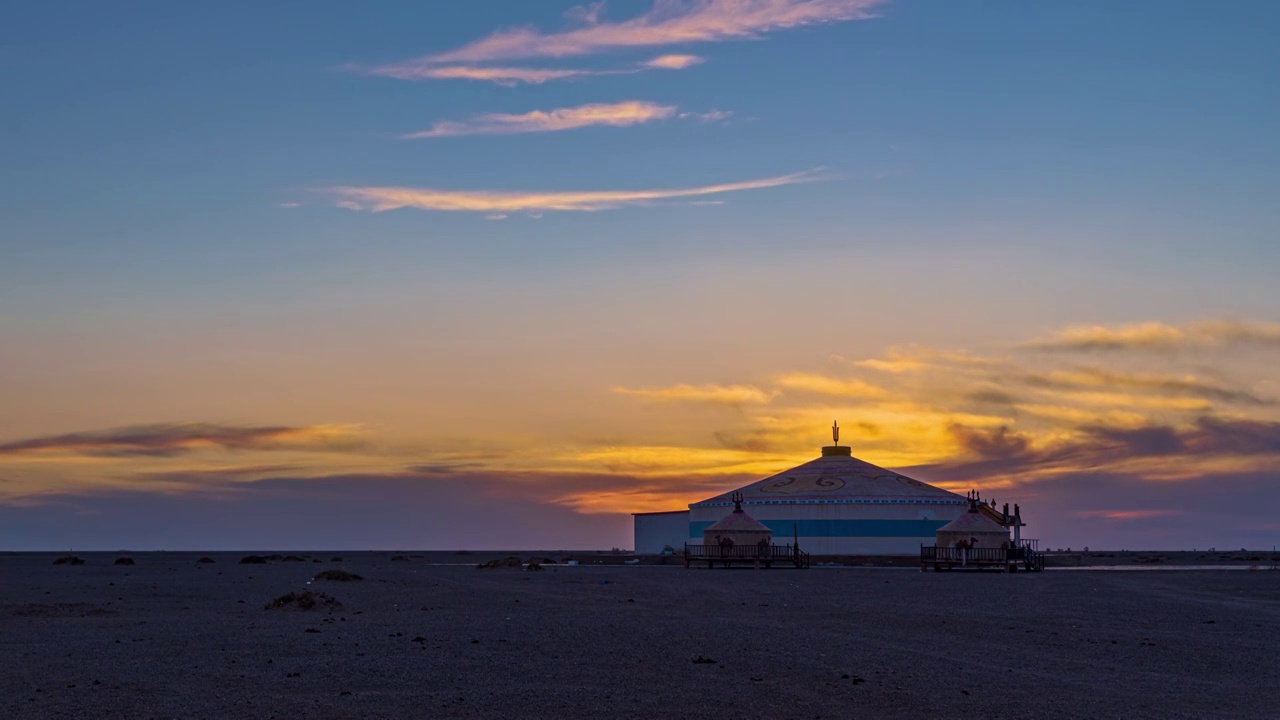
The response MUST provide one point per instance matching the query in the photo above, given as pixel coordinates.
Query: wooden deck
(755, 555)
(1024, 558)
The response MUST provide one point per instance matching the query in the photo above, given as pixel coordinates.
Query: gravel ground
(168, 637)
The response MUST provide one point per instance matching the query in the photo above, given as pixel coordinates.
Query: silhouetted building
(835, 504)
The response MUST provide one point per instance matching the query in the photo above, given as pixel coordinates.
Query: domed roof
(973, 522)
(738, 521)
(836, 477)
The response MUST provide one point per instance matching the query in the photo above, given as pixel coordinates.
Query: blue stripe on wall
(783, 529)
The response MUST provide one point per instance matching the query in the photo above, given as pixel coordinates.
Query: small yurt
(737, 528)
(973, 530)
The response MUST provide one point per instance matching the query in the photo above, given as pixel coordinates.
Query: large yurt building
(834, 504)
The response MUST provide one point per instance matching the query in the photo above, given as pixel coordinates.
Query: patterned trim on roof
(835, 501)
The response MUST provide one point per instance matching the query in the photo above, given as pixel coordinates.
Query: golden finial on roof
(835, 432)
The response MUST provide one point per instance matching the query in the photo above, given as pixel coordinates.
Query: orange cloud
(1126, 514)
(1161, 336)
(621, 114)
(892, 366)
(720, 394)
(667, 23)
(673, 62)
(844, 387)
(379, 199)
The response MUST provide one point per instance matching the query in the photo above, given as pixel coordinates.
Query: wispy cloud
(510, 76)
(673, 62)
(1126, 514)
(379, 199)
(1092, 378)
(507, 76)
(1157, 336)
(718, 394)
(586, 14)
(174, 439)
(620, 114)
(826, 385)
(708, 117)
(668, 22)
(991, 454)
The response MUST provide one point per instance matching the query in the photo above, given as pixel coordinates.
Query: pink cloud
(673, 62)
(379, 199)
(621, 114)
(668, 22)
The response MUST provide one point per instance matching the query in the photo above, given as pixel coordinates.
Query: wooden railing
(976, 555)
(747, 553)
(740, 552)
(1025, 555)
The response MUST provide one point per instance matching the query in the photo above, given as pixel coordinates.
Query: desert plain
(428, 635)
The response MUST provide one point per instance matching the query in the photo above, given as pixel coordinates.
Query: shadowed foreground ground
(170, 638)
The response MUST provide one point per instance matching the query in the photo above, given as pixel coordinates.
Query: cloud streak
(990, 454)
(506, 76)
(620, 114)
(1160, 337)
(381, 199)
(167, 440)
(511, 76)
(673, 62)
(717, 394)
(1094, 378)
(668, 22)
(825, 385)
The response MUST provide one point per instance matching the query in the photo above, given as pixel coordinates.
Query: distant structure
(980, 539)
(737, 528)
(835, 504)
(740, 538)
(973, 530)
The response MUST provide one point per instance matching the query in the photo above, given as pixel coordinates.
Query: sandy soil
(168, 637)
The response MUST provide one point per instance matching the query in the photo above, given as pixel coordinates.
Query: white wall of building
(657, 530)
(853, 528)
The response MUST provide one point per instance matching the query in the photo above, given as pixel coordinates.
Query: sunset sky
(439, 275)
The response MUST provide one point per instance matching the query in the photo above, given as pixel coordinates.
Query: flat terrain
(168, 637)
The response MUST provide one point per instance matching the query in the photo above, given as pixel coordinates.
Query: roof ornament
(836, 450)
(737, 501)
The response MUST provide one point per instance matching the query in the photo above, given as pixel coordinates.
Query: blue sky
(982, 175)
